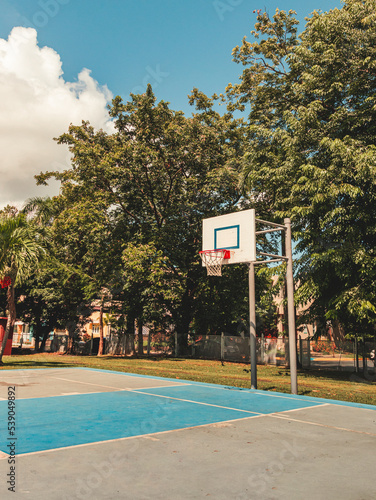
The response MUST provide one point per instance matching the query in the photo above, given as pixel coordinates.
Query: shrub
(324, 346)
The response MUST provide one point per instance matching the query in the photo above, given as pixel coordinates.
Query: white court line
(197, 402)
(282, 417)
(298, 409)
(295, 397)
(64, 394)
(265, 393)
(132, 437)
(111, 387)
(89, 383)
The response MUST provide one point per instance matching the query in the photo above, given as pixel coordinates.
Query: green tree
(156, 177)
(59, 295)
(22, 247)
(151, 291)
(311, 154)
(88, 251)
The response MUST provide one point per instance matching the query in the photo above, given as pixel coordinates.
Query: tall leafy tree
(22, 246)
(311, 151)
(59, 294)
(88, 251)
(151, 291)
(156, 177)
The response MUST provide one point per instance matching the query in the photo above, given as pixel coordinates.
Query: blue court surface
(70, 420)
(104, 434)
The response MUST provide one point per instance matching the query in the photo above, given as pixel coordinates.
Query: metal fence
(58, 343)
(236, 348)
(350, 355)
(125, 344)
(346, 355)
(120, 345)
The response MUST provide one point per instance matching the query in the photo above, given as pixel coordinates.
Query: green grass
(344, 386)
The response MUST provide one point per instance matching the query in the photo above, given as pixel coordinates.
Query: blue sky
(174, 44)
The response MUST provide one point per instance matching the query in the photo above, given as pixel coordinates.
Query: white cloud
(36, 105)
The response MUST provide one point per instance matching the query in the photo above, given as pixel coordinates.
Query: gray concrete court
(327, 451)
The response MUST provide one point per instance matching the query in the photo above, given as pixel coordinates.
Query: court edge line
(118, 389)
(85, 394)
(262, 393)
(282, 417)
(131, 437)
(187, 382)
(298, 409)
(294, 397)
(178, 384)
(197, 402)
(311, 399)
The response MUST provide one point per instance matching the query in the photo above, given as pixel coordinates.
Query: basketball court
(96, 434)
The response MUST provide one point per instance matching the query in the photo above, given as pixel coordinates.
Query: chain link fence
(346, 355)
(350, 355)
(235, 348)
(58, 343)
(122, 344)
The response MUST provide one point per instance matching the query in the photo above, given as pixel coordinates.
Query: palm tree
(22, 246)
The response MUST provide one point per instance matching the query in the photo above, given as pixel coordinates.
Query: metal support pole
(252, 324)
(290, 309)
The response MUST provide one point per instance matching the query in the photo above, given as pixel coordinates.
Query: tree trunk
(36, 337)
(71, 327)
(10, 320)
(130, 335)
(182, 324)
(132, 348)
(183, 318)
(45, 334)
(100, 348)
(149, 341)
(140, 338)
(37, 327)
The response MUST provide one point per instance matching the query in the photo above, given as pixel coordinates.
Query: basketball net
(213, 260)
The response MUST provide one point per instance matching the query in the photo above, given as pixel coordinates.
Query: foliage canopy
(311, 148)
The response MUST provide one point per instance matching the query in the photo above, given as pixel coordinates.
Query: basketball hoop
(213, 260)
(6, 281)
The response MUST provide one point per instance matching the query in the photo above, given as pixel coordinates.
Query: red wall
(8, 347)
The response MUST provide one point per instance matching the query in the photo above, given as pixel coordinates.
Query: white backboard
(235, 232)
